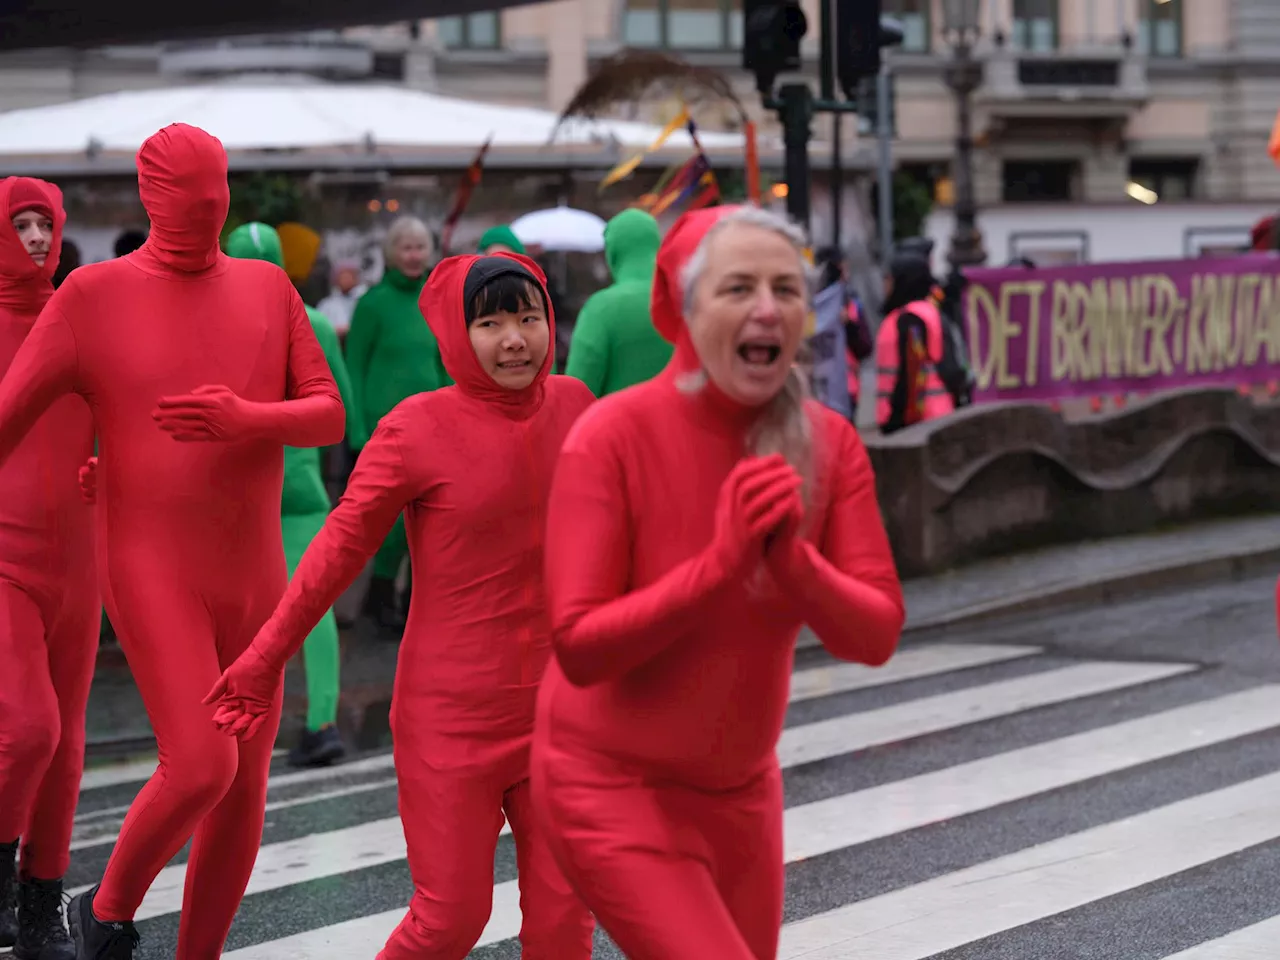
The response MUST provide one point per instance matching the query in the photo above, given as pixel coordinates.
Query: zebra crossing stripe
(829, 825)
(1042, 881)
(1258, 942)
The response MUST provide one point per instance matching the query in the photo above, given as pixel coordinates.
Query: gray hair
(400, 228)
(783, 425)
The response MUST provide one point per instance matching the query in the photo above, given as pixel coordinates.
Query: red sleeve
(44, 368)
(600, 630)
(312, 414)
(378, 490)
(846, 588)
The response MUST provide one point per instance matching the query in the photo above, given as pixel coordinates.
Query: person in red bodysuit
(470, 467)
(199, 370)
(49, 602)
(696, 522)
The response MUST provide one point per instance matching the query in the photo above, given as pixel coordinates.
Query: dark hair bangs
(506, 293)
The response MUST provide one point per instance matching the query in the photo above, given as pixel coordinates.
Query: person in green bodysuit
(500, 239)
(304, 505)
(614, 344)
(392, 355)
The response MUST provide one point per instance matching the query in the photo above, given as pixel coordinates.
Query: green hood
(256, 241)
(631, 241)
(500, 234)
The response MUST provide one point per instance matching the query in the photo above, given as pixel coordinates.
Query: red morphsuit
(49, 606)
(470, 466)
(655, 774)
(199, 369)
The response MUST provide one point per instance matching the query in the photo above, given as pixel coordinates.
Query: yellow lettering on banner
(1161, 294)
(980, 306)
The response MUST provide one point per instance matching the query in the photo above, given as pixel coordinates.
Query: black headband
(486, 269)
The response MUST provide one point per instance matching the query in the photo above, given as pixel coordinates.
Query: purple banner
(1101, 329)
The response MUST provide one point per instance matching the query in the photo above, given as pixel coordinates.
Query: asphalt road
(1098, 784)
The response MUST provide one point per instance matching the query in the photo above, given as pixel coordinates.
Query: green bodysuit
(391, 355)
(304, 501)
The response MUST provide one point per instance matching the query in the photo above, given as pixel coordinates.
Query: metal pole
(796, 101)
(885, 133)
(827, 87)
(837, 181)
(966, 242)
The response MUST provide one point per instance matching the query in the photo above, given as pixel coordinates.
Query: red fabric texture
(470, 466)
(49, 606)
(654, 764)
(188, 520)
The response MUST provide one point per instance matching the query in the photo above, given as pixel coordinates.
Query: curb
(1114, 588)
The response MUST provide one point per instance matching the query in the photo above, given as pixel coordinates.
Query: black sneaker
(8, 894)
(317, 748)
(41, 932)
(96, 940)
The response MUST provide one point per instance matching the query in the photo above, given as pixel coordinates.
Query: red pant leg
(168, 635)
(452, 815)
(745, 834)
(636, 857)
(556, 925)
(30, 724)
(75, 623)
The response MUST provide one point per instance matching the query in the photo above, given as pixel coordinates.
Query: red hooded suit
(654, 765)
(470, 467)
(49, 606)
(188, 492)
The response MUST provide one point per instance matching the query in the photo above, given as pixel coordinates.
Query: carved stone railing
(1002, 477)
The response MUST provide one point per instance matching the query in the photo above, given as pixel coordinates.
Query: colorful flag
(627, 167)
(470, 180)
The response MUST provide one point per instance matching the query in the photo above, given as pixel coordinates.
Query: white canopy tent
(261, 119)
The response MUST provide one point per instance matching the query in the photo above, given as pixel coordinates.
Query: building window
(1157, 180)
(1050, 181)
(917, 34)
(473, 31)
(1035, 25)
(1160, 28)
(683, 24)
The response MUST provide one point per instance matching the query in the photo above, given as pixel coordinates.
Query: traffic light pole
(796, 106)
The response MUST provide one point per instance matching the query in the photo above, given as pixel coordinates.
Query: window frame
(726, 9)
(1056, 44)
(927, 14)
(1146, 29)
(466, 42)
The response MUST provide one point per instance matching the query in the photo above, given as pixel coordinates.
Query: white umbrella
(561, 229)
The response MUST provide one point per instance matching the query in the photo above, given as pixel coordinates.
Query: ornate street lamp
(961, 26)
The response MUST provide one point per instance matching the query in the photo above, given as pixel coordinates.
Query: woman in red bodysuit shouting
(49, 606)
(696, 522)
(199, 370)
(470, 467)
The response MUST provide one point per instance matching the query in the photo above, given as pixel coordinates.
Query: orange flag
(1273, 148)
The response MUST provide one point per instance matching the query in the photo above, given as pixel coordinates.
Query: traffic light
(862, 31)
(772, 31)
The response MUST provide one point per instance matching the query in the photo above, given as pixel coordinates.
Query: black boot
(96, 940)
(8, 894)
(41, 932)
(317, 748)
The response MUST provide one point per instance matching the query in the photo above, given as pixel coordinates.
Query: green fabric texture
(391, 352)
(614, 344)
(321, 652)
(501, 234)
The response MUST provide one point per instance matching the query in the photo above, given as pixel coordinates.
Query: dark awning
(27, 24)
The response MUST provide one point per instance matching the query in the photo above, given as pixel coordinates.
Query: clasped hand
(759, 514)
(211, 412)
(244, 695)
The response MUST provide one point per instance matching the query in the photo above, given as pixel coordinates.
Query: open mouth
(760, 353)
(514, 364)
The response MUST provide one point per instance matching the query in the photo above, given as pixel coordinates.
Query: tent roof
(313, 116)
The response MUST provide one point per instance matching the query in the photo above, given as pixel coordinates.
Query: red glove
(756, 497)
(89, 481)
(211, 412)
(244, 694)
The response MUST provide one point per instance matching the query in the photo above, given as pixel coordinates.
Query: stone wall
(1001, 477)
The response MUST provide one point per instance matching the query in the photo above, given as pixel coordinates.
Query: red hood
(667, 302)
(441, 304)
(182, 180)
(24, 286)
